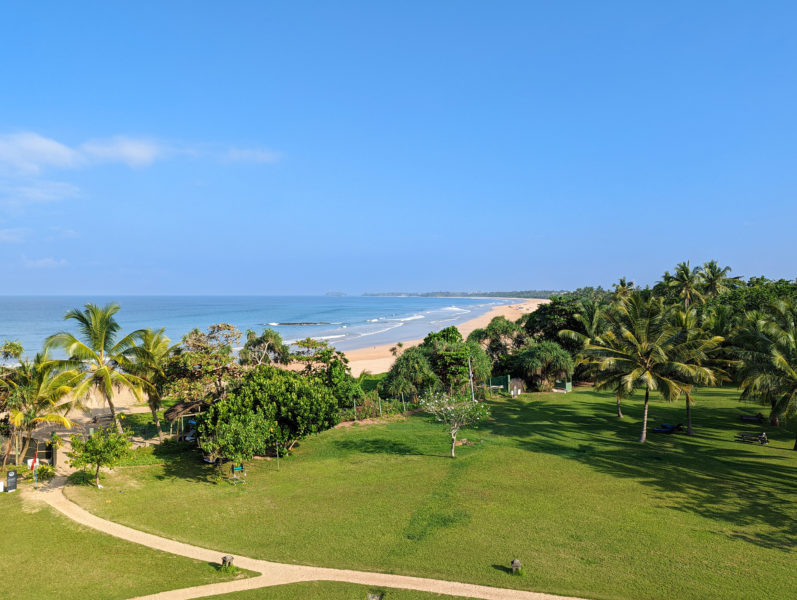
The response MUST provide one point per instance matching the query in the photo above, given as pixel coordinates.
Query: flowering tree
(455, 412)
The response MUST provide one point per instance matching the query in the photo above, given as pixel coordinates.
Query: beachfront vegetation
(102, 358)
(105, 448)
(553, 479)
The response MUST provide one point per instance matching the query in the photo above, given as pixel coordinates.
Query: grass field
(45, 555)
(329, 590)
(556, 480)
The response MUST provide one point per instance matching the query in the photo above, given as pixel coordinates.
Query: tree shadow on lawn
(716, 478)
(380, 446)
(184, 463)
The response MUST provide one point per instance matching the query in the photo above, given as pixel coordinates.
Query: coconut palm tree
(716, 281)
(104, 361)
(37, 393)
(638, 352)
(623, 288)
(687, 283)
(769, 358)
(698, 348)
(151, 354)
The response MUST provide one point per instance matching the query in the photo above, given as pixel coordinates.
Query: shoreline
(378, 359)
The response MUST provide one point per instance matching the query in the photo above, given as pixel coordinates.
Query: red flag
(35, 458)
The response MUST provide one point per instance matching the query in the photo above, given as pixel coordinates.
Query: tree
(716, 281)
(238, 435)
(696, 347)
(103, 360)
(411, 374)
(541, 364)
(769, 355)
(264, 349)
(106, 448)
(623, 288)
(687, 283)
(202, 367)
(455, 412)
(637, 351)
(500, 337)
(151, 357)
(295, 406)
(11, 350)
(35, 393)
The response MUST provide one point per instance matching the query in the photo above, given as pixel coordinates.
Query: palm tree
(150, 358)
(104, 361)
(769, 357)
(623, 288)
(637, 352)
(687, 283)
(698, 348)
(716, 281)
(36, 393)
(264, 349)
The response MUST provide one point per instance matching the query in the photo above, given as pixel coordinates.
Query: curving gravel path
(271, 573)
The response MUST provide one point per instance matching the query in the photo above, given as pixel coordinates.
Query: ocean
(346, 322)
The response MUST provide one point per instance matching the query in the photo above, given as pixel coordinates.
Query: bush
(45, 472)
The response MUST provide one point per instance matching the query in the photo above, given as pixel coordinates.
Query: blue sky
(297, 147)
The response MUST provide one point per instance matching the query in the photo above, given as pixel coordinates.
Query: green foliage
(45, 472)
(455, 412)
(106, 448)
(540, 364)
(545, 323)
(330, 368)
(11, 350)
(449, 335)
(264, 349)
(202, 368)
(271, 408)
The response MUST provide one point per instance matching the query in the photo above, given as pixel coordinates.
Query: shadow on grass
(503, 569)
(712, 475)
(181, 460)
(379, 446)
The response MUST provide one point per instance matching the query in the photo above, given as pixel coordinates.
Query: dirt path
(270, 573)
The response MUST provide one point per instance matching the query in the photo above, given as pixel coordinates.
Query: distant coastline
(525, 294)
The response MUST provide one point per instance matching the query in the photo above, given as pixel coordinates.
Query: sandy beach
(378, 359)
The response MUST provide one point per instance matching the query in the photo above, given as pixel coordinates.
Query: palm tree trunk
(157, 421)
(619, 411)
(113, 415)
(774, 420)
(25, 447)
(689, 415)
(643, 438)
(6, 453)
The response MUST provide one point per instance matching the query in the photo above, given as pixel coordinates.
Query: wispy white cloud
(251, 155)
(62, 233)
(130, 151)
(44, 263)
(36, 191)
(29, 152)
(13, 235)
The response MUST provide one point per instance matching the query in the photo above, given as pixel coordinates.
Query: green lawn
(556, 480)
(329, 590)
(45, 555)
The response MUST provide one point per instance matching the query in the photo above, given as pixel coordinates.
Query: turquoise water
(346, 322)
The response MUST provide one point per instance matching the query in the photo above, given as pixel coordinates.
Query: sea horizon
(345, 322)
